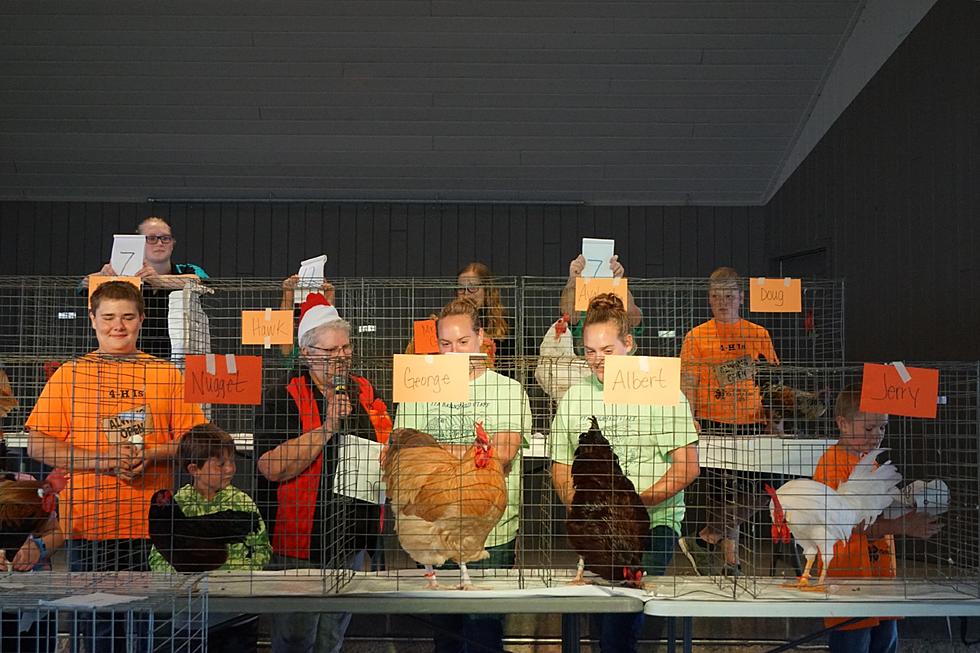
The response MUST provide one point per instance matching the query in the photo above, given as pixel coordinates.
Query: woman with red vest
(296, 448)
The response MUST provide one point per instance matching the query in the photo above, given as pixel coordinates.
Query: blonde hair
(608, 308)
(153, 218)
(724, 277)
(492, 311)
(462, 306)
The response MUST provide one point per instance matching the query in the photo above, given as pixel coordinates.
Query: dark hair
(462, 306)
(202, 442)
(492, 310)
(117, 290)
(608, 307)
(848, 402)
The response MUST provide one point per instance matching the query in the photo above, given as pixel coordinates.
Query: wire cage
(351, 528)
(71, 613)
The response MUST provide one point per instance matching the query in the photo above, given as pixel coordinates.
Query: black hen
(608, 525)
(195, 543)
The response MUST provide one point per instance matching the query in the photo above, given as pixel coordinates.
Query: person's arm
(258, 543)
(29, 554)
(920, 525)
(561, 476)
(684, 468)
(55, 452)
(293, 456)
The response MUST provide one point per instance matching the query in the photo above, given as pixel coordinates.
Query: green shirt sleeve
(560, 436)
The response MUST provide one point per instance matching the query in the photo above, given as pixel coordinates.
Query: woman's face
(456, 335)
(471, 287)
(330, 354)
(601, 340)
(156, 232)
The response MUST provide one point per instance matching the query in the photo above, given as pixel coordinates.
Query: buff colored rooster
(445, 506)
(819, 516)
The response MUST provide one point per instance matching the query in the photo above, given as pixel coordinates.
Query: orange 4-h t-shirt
(858, 556)
(716, 357)
(96, 402)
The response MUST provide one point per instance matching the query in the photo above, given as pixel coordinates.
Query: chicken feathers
(608, 525)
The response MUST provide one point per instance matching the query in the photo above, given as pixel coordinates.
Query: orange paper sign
(426, 341)
(267, 327)
(884, 391)
(642, 380)
(775, 295)
(208, 381)
(587, 289)
(95, 280)
(431, 378)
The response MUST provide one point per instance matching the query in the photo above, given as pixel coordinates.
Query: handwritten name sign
(211, 382)
(775, 295)
(587, 289)
(267, 327)
(427, 378)
(884, 391)
(738, 369)
(94, 281)
(642, 380)
(426, 341)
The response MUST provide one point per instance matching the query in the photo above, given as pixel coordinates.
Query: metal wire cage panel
(90, 612)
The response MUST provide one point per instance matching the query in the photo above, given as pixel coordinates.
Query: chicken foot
(803, 584)
(430, 574)
(579, 573)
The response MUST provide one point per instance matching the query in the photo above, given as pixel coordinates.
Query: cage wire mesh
(71, 613)
(338, 522)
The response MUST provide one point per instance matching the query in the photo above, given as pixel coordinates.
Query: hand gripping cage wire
(71, 613)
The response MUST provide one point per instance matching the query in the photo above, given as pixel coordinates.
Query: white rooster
(819, 516)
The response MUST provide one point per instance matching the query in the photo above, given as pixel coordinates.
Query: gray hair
(313, 334)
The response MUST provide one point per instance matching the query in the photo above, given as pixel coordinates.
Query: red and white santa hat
(314, 312)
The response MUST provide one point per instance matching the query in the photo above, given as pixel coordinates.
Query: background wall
(380, 240)
(891, 195)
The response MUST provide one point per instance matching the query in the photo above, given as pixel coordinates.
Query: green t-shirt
(502, 405)
(641, 436)
(252, 554)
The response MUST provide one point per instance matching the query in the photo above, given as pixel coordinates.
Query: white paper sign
(127, 254)
(310, 277)
(597, 252)
(358, 472)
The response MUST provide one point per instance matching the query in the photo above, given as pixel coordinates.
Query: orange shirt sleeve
(51, 411)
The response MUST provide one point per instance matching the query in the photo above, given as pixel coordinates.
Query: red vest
(297, 497)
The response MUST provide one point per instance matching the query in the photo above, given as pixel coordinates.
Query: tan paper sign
(267, 327)
(430, 378)
(775, 295)
(587, 289)
(642, 380)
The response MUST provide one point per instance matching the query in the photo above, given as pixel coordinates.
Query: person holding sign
(112, 418)
(717, 374)
(656, 446)
(160, 277)
(576, 269)
(870, 552)
(297, 454)
(502, 406)
(476, 284)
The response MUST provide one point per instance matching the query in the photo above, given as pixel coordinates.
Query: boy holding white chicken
(870, 552)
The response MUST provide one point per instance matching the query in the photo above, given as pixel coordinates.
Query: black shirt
(341, 525)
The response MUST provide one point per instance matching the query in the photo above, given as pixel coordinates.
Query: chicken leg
(804, 582)
(430, 574)
(579, 573)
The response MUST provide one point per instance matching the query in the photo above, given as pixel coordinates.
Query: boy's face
(863, 432)
(214, 475)
(725, 301)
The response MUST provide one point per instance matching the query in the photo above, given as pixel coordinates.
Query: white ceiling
(650, 102)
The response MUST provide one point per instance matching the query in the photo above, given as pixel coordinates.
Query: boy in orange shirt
(716, 376)
(870, 552)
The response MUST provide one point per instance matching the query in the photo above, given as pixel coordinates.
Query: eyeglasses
(342, 350)
(468, 290)
(166, 240)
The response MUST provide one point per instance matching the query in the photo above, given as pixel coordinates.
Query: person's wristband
(39, 543)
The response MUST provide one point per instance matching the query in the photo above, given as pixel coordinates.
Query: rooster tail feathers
(870, 489)
(594, 425)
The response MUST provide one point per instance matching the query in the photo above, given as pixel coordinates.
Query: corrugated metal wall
(892, 192)
(382, 240)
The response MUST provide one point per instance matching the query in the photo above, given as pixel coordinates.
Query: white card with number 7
(127, 254)
(597, 253)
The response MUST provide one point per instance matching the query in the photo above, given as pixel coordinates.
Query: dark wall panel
(891, 191)
(379, 240)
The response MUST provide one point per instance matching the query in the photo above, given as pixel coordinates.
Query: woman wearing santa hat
(296, 448)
